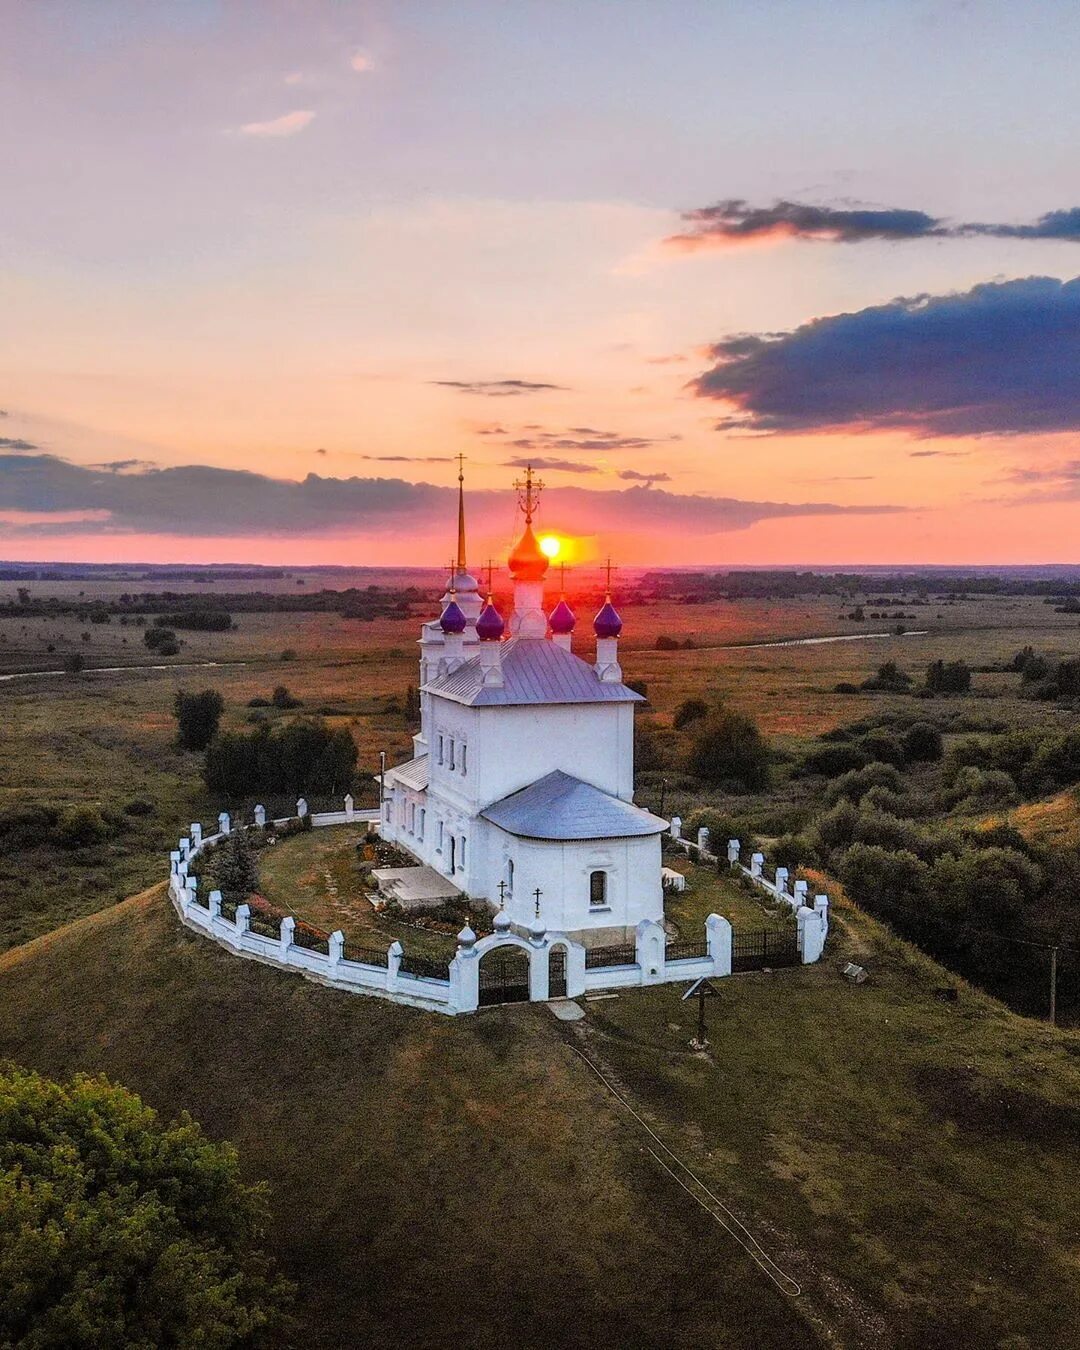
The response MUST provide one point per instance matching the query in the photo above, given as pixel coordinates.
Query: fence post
(301, 807)
(811, 935)
(190, 886)
(757, 862)
(781, 881)
(799, 891)
(350, 806)
(174, 862)
(336, 944)
(394, 954)
(465, 973)
(649, 950)
(675, 828)
(703, 840)
(243, 920)
(195, 831)
(214, 899)
(185, 848)
(224, 823)
(260, 816)
(718, 936)
(288, 923)
(733, 852)
(821, 908)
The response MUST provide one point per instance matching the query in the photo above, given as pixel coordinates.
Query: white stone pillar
(394, 954)
(336, 944)
(243, 919)
(190, 886)
(757, 862)
(703, 840)
(718, 936)
(224, 823)
(465, 973)
(821, 909)
(174, 862)
(288, 924)
(215, 904)
(182, 870)
(733, 851)
(184, 847)
(301, 807)
(260, 816)
(811, 935)
(781, 880)
(575, 970)
(195, 831)
(539, 986)
(675, 828)
(349, 806)
(799, 893)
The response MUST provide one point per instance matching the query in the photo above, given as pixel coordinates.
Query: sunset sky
(749, 282)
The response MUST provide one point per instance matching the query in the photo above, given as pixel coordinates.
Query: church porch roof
(561, 807)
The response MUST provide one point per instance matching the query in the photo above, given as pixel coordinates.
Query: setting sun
(550, 546)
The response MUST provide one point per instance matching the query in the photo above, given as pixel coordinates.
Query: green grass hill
(441, 1182)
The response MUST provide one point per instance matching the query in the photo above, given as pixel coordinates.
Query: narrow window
(423, 814)
(464, 758)
(510, 876)
(451, 752)
(463, 851)
(440, 749)
(440, 836)
(597, 889)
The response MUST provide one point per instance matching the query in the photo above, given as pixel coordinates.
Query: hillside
(437, 1182)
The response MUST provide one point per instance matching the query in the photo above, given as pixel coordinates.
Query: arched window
(597, 889)
(510, 876)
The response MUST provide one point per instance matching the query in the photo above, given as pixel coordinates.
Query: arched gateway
(504, 975)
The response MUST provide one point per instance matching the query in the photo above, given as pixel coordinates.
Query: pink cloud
(287, 125)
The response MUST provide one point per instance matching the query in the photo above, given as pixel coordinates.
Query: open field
(435, 1182)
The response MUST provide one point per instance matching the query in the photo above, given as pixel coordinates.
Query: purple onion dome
(607, 623)
(490, 626)
(452, 620)
(562, 619)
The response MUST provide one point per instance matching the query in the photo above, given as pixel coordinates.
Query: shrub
(74, 662)
(855, 784)
(882, 746)
(27, 826)
(832, 760)
(729, 748)
(952, 677)
(690, 711)
(234, 867)
(845, 687)
(158, 638)
(118, 1229)
(981, 787)
(889, 677)
(80, 827)
(138, 807)
(666, 644)
(923, 743)
(197, 717)
(281, 698)
(304, 756)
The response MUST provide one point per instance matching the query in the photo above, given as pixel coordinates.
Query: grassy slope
(435, 1182)
(441, 1182)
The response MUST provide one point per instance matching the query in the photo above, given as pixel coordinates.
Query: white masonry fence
(812, 918)
(649, 959)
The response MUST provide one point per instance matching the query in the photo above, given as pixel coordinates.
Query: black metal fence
(766, 947)
(228, 909)
(367, 956)
(624, 954)
(685, 951)
(311, 939)
(425, 967)
(265, 925)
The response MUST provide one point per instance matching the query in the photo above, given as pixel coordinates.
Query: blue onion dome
(607, 623)
(490, 626)
(562, 619)
(452, 620)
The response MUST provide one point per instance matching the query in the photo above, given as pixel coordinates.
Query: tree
(198, 717)
(729, 748)
(951, 677)
(923, 743)
(116, 1229)
(235, 867)
(889, 677)
(281, 698)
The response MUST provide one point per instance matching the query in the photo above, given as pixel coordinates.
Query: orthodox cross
(528, 491)
(538, 893)
(502, 894)
(608, 569)
(453, 579)
(490, 568)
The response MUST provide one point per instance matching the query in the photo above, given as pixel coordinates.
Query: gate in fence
(504, 976)
(557, 972)
(765, 947)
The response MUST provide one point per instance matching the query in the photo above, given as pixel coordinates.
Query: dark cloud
(583, 439)
(321, 450)
(198, 500)
(1050, 483)
(734, 222)
(552, 465)
(499, 388)
(15, 443)
(122, 465)
(937, 454)
(408, 459)
(632, 476)
(1000, 359)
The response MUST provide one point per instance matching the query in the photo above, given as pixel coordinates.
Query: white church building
(520, 791)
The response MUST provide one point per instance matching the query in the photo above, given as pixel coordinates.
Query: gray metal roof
(535, 670)
(559, 806)
(413, 773)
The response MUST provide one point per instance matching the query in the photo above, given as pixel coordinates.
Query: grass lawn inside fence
(709, 891)
(317, 877)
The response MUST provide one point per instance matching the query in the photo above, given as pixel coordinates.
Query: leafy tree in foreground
(729, 747)
(197, 716)
(118, 1230)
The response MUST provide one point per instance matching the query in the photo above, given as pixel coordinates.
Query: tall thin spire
(461, 514)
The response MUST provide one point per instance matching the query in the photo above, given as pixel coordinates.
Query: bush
(953, 677)
(138, 807)
(281, 698)
(156, 639)
(303, 756)
(666, 644)
(882, 746)
(234, 867)
(845, 687)
(923, 743)
(80, 827)
(832, 760)
(855, 784)
(690, 711)
(198, 717)
(116, 1229)
(729, 748)
(889, 677)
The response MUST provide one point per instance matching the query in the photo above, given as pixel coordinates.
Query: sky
(753, 283)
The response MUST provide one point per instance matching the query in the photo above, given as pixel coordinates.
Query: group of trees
(162, 640)
(119, 1229)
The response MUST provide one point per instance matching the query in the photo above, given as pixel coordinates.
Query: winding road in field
(119, 670)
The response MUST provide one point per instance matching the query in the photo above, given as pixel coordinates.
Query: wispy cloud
(730, 223)
(1000, 359)
(633, 476)
(551, 465)
(499, 388)
(581, 439)
(287, 125)
(15, 443)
